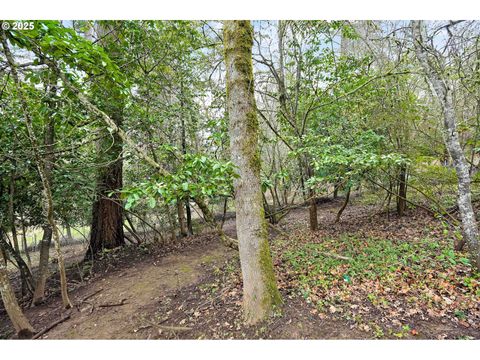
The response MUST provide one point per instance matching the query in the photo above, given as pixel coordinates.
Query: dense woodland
(240, 179)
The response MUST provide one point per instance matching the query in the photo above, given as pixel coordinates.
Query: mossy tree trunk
(260, 292)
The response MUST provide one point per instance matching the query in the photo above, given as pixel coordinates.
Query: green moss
(238, 49)
(238, 40)
(250, 146)
(272, 296)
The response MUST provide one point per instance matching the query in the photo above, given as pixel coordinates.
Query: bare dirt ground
(192, 290)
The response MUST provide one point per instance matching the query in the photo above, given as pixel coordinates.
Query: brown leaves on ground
(404, 279)
(426, 296)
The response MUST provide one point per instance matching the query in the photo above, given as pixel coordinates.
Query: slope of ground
(344, 281)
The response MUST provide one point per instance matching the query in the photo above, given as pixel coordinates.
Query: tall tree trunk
(47, 202)
(45, 243)
(442, 88)
(107, 209)
(260, 292)
(20, 322)
(184, 151)
(402, 190)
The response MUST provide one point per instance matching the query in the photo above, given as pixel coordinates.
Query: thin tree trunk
(171, 224)
(11, 213)
(45, 243)
(345, 203)
(13, 227)
(402, 190)
(184, 152)
(260, 292)
(10, 253)
(20, 322)
(47, 192)
(269, 213)
(42, 274)
(181, 218)
(271, 210)
(336, 187)
(313, 204)
(132, 229)
(69, 232)
(443, 91)
(189, 217)
(25, 245)
(389, 198)
(210, 220)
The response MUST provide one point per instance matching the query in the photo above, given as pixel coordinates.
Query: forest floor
(368, 276)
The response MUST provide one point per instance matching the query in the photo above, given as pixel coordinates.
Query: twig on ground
(50, 327)
(91, 295)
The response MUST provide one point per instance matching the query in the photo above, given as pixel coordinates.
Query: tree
(40, 164)
(433, 63)
(106, 230)
(20, 322)
(260, 292)
(49, 158)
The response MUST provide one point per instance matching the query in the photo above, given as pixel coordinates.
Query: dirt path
(140, 287)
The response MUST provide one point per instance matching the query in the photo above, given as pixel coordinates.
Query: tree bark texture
(20, 322)
(442, 88)
(260, 292)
